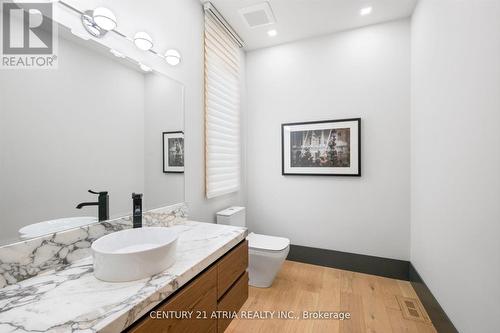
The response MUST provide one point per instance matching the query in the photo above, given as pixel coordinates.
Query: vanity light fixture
(145, 68)
(104, 18)
(173, 57)
(143, 41)
(272, 33)
(365, 11)
(101, 20)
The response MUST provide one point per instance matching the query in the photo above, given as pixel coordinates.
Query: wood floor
(371, 301)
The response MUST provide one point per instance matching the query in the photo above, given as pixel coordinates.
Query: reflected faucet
(137, 210)
(102, 203)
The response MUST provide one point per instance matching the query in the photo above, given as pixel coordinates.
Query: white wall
(361, 73)
(456, 158)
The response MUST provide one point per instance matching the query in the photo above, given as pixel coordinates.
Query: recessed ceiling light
(272, 33)
(365, 11)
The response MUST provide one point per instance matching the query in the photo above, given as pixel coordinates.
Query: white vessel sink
(134, 254)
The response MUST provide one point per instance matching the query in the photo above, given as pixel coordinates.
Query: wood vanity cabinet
(220, 289)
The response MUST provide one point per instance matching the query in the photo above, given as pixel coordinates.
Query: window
(222, 106)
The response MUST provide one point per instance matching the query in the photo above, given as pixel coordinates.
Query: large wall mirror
(95, 123)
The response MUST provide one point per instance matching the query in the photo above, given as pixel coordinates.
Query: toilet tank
(232, 216)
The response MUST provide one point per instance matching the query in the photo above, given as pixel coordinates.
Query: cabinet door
(231, 267)
(198, 298)
(233, 300)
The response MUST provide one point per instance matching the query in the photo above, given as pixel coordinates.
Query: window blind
(222, 109)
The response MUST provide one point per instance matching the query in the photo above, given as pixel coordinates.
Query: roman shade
(222, 107)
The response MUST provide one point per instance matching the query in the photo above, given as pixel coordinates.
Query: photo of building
(320, 148)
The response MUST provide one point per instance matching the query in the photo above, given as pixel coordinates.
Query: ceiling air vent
(258, 15)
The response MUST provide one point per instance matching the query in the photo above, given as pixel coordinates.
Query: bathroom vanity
(205, 304)
(209, 275)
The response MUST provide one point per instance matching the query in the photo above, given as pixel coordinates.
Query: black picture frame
(283, 148)
(165, 135)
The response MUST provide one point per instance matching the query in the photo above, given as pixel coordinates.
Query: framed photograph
(173, 152)
(324, 148)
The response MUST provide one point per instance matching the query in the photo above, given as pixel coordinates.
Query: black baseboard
(391, 268)
(438, 317)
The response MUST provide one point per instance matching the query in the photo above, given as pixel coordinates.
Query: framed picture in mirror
(322, 148)
(173, 152)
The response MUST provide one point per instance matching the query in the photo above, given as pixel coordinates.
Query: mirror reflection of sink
(134, 254)
(52, 226)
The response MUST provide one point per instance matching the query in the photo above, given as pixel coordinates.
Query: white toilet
(266, 253)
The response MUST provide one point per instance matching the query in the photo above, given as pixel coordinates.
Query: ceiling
(298, 19)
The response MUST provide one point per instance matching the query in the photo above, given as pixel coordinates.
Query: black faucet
(137, 210)
(102, 203)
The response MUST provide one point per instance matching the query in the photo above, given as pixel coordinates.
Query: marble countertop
(71, 299)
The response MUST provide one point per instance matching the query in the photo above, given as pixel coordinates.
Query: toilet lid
(264, 242)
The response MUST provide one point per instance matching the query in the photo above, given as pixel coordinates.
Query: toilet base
(263, 266)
